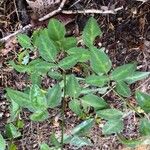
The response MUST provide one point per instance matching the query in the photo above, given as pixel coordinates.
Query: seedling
(82, 93)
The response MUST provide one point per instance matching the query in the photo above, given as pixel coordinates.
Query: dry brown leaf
(42, 7)
(9, 46)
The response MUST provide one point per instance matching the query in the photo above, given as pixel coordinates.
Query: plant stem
(129, 105)
(63, 111)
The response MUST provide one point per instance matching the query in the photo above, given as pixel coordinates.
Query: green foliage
(46, 48)
(136, 76)
(12, 131)
(110, 114)
(100, 62)
(81, 53)
(113, 126)
(68, 43)
(95, 80)
(73, 88)
(54, 96)
(79, 130)
(123, 89)
(94, 101)
(2, 143)
(90, 32)
(24, 41)
(122, 72)
(22, 99)
(39, 115)
(14, 111)
(129, 142)
(143, 100)
(78, 142)
(75, 106)
(58, 55)
(56, 30)
(54, 141)
(44, 146)
(145, 127)
(68, 62)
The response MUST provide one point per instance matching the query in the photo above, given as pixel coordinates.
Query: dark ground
(126, 36)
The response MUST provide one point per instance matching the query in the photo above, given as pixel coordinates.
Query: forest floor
(126, 36)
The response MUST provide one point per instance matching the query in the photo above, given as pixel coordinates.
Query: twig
(63, 110)
(87, 11)
(25, 28)
(91, 11)
(54, 12)
(143, 83)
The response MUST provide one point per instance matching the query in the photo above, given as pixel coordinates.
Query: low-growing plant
(85, 95)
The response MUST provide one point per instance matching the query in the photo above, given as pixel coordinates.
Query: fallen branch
(54, 12)
(22, 30)
(92, 11)
(87, 11)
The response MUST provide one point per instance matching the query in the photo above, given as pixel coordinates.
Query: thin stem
(129, 105)
(63, 111)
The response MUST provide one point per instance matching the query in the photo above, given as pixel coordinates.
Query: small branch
(63, 111)
(54, 12)
(92, 11)
(87, 11)
(127, 103)
(22, 30)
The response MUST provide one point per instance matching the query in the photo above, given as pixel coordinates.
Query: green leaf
(54, 140)
(19, 68)
(113, 126)
(14, 111)
(39, 66)
(80, 141)
(56, 30)
(24, 41)
(37, 98)
(54, 96)
(82, 127)
(12, 131)
(90, 32)
(102, 90)
(73, 88)
(39, 116)
(136, 76)
(128, 142)
(46, 47)
(110, 114)
(123, 89)
(145, 127)
(80, 52)
(122, 72)
(55, 75)
(68, 62)
(36, 78)
(143, 100)
(69, 42)
(22, 99)
(97, 80)
(74, 105)
(13, 146)
(2, 143)
(100, 62)
(44, 146)
(23, 57)
(94, 101)
(20, 124)
(35, 35)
